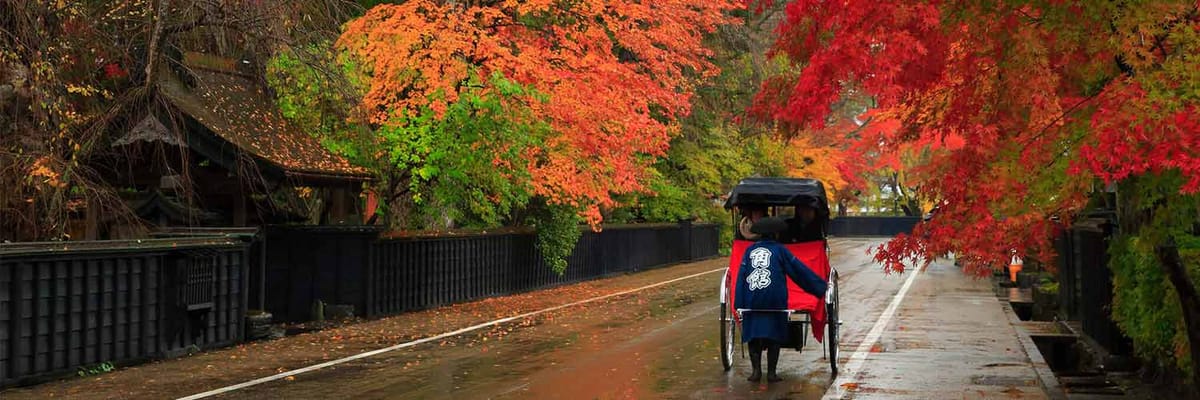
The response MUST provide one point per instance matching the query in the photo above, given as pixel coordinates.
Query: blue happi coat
(761, 285)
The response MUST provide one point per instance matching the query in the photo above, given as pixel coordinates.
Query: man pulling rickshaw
(762, 291)
(779, 282)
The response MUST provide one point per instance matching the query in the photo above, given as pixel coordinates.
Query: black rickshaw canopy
(779, 192)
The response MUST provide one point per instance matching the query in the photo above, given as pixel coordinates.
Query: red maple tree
(1040, 100)
(1021, 92)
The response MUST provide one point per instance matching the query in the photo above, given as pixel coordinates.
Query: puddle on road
(1002, 380)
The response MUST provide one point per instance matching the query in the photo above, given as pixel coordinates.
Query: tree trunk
(1189, 301)
(160, 13)
(92, 218)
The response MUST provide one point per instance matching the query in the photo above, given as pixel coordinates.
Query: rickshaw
(786, 198)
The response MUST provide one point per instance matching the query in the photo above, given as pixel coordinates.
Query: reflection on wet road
(659, 343)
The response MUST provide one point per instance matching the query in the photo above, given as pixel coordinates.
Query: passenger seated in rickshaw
(762, 285)
(750, 215)
(803, 227)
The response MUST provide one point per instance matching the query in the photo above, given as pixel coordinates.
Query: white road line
(852, 367)
(310, 368)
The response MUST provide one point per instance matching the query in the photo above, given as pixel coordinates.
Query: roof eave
(325, 178)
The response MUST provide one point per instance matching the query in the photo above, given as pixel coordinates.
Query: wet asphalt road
(660, 343)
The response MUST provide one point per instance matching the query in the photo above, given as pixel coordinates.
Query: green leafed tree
(464, 168)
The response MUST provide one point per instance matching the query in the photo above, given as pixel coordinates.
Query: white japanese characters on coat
(760, 278)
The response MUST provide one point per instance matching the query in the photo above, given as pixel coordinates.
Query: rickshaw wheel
(728, 333)
(832, 325)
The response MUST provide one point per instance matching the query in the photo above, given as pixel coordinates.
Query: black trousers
(756, 348)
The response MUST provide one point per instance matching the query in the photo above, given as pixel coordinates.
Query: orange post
(1014, 267)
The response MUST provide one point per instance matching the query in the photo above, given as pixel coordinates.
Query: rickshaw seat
(813, 255)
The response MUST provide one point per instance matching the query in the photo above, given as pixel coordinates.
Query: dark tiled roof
(239, 111)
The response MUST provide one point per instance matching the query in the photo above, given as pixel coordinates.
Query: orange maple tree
(617, 75)
(805, 157)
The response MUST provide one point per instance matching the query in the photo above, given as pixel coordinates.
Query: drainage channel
(1064, 350)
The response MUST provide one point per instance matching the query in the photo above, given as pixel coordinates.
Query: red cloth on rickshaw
(813, 255)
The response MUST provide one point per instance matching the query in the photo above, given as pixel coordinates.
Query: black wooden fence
(870, 226)
(1068, 277)
(74, 304)
(1085, 284)
(418, 273)
(68, 305)
(309, 263)
(352, 266)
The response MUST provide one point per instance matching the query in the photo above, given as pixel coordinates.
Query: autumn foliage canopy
(615, 76)
(1025, 105)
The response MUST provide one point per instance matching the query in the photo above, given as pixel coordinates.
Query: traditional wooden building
(213, 150)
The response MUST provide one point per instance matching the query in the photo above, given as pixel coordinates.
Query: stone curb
(1046, 377)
